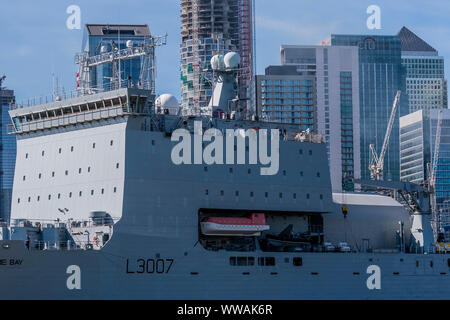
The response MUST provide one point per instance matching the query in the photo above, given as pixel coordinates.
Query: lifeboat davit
(229, 226)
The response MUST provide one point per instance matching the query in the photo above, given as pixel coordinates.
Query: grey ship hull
(112, 156)
(113, 273)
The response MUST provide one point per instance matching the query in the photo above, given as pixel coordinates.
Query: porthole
(49, 197)
(26, 156)
(117, 165)
(59, 195)
(266, 194)
(115, 189)
(222, 192)
(60, 150)
(111, 142)
(103, 191)
(80, 193)
(251, 194)
(43, 152)
(89, 169)
(307, 196)
(71, 149)
(92, 192)
(93, 145)
(294, 196)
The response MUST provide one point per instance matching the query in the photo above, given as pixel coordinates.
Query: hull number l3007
(150, 266)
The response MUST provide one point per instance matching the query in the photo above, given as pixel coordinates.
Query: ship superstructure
(114, 201)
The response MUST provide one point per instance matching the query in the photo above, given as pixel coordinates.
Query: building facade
(335, 70)
(417, 148)
(7, 154)
(286, 97)
(426, 85)
(381, 75)
(214, 27)
(101, 39)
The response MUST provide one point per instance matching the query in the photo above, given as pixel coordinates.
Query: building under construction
(211, 27)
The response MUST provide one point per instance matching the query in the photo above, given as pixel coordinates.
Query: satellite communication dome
(167, 101)
(217, 62)
(232, 60)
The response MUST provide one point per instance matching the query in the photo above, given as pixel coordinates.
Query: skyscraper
(417, 147)
(284, 96)
(7, 154)
(103, 40)
(425, 82)
(381, 75)
(336, 73)
(211, 27)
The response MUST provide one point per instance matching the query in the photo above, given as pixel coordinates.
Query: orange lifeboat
(231, 226)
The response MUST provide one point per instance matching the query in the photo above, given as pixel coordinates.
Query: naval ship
(107, 205)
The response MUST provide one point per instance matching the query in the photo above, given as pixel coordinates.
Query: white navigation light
(232, 60)
(217, 62)
(103, 49)
(130, 44)
(167, 102)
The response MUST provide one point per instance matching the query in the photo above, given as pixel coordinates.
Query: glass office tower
(7, 154)
(417, 145)
(425, 82)
(381, 74)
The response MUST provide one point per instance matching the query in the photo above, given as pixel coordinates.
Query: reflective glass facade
(7, 155)
(381, 75)
(348, 165)
(287, 99)
(418, 139)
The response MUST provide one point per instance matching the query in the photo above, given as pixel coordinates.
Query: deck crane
(376, 166)
(432, 168)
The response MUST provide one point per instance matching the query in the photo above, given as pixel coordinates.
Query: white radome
(217, 62)
(167, 101)
(232, 60)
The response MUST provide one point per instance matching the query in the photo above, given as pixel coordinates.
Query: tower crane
(376, 166)
(432, 168)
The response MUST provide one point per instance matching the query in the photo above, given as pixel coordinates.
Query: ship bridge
(82, 109)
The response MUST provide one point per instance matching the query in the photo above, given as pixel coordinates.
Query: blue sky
(36, 43)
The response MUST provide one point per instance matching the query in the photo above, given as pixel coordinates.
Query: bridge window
(93, 145)
(266, 261)
(43, 152)
(18, 200)
(117, 165)
(307, 196)
(115, 189)
(24, 177)
(242, 261)
(92, 192)
(60, 150)
(89, 169)
(26, 156)
(80, 193)
(53, 174)
(111, 142)
(295, 196)
(103, 191)
(40, 175)
(71, 149)
(79, 170)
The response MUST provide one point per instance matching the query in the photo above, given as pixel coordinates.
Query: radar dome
(217, 62)
(232, 60)
(167, 101)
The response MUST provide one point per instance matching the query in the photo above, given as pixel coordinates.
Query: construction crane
(432, 168)
(376, 166)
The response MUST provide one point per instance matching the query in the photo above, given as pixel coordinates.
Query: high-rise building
(284, 96)
(7, 154)
(381, 75)
(417, 149)
(425, 81)
(335, 71)
(101, 40)
(214, 27)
